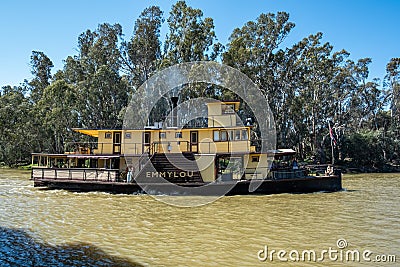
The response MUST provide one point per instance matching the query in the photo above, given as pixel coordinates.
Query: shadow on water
(18, 248)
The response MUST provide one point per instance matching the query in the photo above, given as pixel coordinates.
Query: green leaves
(14, 119)
(190, 37)
(58, 114)
(392, 84)
(307, 85)
(142, 54)
(41, 70)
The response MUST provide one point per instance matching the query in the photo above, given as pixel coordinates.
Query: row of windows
(231, 135)
(219, 135)
(163, 135)
(108, 135)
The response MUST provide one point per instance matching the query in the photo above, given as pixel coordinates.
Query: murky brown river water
(60, 228)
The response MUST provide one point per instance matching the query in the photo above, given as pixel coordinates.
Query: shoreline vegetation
(325, 105)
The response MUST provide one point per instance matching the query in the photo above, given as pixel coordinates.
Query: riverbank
(320, 168)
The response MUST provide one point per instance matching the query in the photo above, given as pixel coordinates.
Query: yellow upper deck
(221, 136)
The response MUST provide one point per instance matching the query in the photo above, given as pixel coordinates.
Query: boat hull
(298, 185)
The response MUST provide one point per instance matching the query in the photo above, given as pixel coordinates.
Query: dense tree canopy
(310, 87)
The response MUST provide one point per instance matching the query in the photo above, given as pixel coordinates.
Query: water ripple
(138, 230)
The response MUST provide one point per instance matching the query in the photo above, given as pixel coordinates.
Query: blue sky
(364, 28)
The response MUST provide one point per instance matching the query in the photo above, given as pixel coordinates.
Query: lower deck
(242, 187)
(168, 173)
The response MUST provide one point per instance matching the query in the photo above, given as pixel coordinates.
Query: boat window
(178, 135)
(216, 135)
(107, 135)
(237, 135)
(230, 136)
(146, 138)
(163, 135)
(228, 108)
(244, 135)
(224, 135)
(194, 137)
(128, 136)
(255, 159)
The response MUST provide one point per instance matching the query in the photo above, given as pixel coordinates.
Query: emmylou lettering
(173, 174)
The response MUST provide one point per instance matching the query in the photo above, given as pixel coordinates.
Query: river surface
(60, 228)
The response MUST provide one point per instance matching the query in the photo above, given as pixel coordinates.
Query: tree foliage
(142, 54)
(190, 37)
(309, 86)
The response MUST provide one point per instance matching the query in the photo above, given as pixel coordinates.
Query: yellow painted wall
(218, 118)
(171, 143)
(206, 164)
(167, 142)
(104, 144)
(221, 120)
(214, 108)
(133, 145)
(262, 166)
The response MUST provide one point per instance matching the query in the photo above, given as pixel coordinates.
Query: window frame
(216, 134)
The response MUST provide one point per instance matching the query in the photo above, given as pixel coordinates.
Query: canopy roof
(90, 132)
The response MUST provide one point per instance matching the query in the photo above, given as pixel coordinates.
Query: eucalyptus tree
(315, 89)
(251, 47)
(368, 99)
(141, 55)
(190, 37)
(343, 87)
(58, 112)
(391, 127)
(95, 75)
(41, 66)
(15, 135)
(288, 102)
(392, 83)
(252, 50)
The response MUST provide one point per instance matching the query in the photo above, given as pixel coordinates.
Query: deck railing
(104, 147)
(207, 147)
(259, 173)
(77, 174)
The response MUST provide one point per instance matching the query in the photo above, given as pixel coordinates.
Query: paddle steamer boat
(159, 159)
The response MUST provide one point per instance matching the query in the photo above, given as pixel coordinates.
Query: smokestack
(174, 101)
